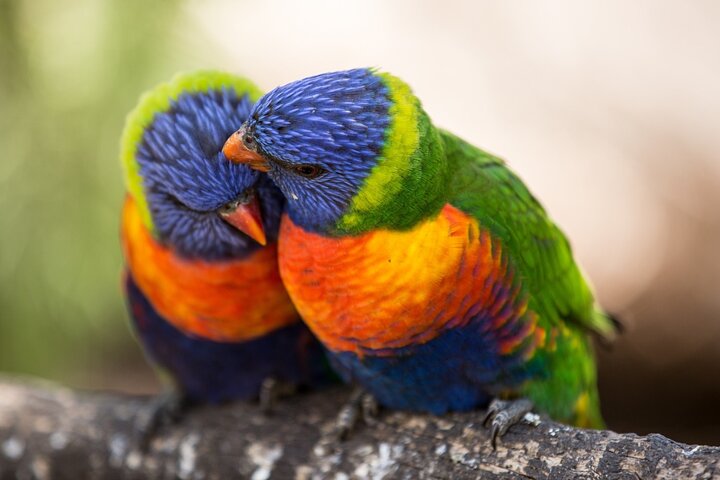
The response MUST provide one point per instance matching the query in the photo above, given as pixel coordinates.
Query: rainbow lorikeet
(426, 267)
(206, 300)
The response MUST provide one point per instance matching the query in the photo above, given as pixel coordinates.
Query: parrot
(206, 300)
(432, 275)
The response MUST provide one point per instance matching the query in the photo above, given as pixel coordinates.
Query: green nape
(410, 179)
(158, 100)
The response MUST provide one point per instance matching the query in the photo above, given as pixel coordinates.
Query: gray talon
(164, 410)
(361, 405)
(370, 409)
(267, 395)
(503, 414)
(271, 391)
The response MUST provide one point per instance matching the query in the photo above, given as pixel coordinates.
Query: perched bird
(206, 300)
(426, 267)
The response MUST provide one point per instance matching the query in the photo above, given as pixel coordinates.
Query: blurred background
(610, 111)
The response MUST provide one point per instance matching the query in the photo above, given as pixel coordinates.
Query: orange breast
(226, 301)
(388, 289)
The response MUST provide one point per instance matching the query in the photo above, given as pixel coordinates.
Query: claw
(267, 395)
(346, 421)
(271, 390)
(370, 409)
(495, 406)
(493, 436)
(504, 414)
(164, 410)
(361, 405)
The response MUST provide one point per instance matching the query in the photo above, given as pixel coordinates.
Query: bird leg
(360, 406)
(164, 410)
(503, 414)
(271, 391)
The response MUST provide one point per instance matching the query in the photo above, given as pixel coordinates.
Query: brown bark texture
(51, 432)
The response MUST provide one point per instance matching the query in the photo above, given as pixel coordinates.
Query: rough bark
(51, 432)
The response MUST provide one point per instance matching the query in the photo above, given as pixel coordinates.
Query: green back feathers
(484, 187)
(421, 168)
(411, 161)
(159, 100)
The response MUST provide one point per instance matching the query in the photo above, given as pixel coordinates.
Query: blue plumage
(215, 347)
(187, 178)
(215, 372)
(455, 371)
(335, 121)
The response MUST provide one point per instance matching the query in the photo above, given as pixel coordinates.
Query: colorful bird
(206, 300)
(426, 267)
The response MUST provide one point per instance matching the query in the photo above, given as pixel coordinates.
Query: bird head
(350, 150)
(189, 196)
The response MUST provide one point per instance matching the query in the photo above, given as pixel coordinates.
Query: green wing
(487, 189)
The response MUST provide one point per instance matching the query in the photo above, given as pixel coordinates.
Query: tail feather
(606, 326)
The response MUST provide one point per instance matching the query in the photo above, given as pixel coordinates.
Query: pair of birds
(426, 271)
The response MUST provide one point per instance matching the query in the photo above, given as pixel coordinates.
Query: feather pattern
(206, 301)
(438, 280)
(215, 372)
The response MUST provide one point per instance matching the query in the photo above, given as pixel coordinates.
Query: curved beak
(244, 214)
(236, 151)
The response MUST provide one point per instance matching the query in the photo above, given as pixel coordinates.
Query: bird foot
(164, 410)
(503, 414)
(273, 390)
(361, 406)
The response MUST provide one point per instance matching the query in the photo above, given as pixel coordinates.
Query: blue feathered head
(351, 151)
(318, 139)
(188, 194)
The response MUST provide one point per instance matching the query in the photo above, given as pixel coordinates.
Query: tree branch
(51, 432)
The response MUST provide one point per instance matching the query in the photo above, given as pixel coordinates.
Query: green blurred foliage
(69, 73)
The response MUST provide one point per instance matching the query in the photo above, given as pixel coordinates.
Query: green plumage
(486, 189)
(517, 316)
(447, 169)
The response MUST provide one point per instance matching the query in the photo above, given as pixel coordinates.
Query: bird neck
(408, 184)
(224, 301)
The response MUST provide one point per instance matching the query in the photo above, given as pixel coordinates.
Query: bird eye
(229, 207)
(309, 171)
(249, 141)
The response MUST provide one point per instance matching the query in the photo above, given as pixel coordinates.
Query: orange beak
(244, 214)
(236, 151)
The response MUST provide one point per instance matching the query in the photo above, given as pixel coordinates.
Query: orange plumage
(372, 291)
(229, 301)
